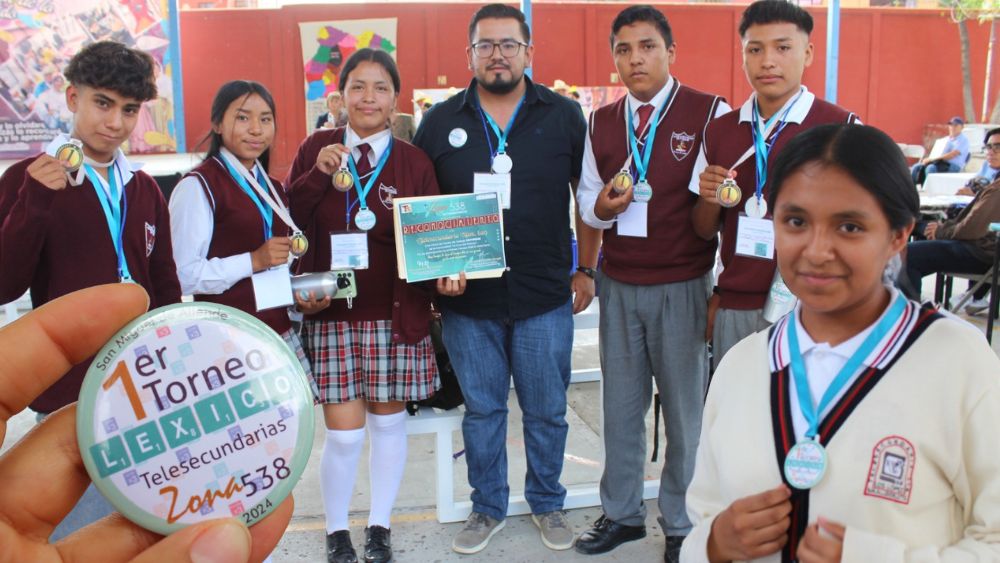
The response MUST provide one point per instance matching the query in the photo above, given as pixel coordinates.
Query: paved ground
(417, 536)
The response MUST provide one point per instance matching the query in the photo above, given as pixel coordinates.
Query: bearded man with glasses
(508, 135)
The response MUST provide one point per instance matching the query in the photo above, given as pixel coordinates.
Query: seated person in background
(956, 154)
(336, 116)
(988, 173)
(960, 245)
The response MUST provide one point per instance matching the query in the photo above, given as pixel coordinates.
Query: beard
(499, 85)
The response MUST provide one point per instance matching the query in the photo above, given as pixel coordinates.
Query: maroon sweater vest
(671, 252)
(56, 242)
(745, 282)
(238, 228)
(321, 210)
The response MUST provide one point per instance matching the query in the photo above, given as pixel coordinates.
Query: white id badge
(349, 251)
(273, 288)
(755, 237)
(632, 222)
(483, 182)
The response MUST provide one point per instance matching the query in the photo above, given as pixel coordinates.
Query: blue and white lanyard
(501, 135)
(762, 147)
(113, 212)
(811, 411)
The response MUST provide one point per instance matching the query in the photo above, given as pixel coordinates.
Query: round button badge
(192, 412)
(805, 464)
(457, 137)
(643, 192)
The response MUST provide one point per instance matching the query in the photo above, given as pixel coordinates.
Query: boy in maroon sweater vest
(655, 278)
(742, 145)
(66, 230)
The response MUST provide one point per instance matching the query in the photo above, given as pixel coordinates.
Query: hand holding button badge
(43, 475)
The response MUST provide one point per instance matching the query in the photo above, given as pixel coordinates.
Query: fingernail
(226, 542)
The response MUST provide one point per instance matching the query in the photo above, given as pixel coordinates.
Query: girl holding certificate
(229, 219)
(373, 353)
(861, 426)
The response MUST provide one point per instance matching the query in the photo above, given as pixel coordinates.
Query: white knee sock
(386, 463)
(337, 469)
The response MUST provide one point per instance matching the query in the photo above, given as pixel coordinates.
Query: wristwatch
(589, 272)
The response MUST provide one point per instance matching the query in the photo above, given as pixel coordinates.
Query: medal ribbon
(810, 410)
(761, 147)
(269, 196)
(651, 123)
(363, 192)
(266, 213)
(113, 213)
(501, 135)
(642, 163)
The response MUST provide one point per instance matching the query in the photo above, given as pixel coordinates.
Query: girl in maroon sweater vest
(223, 231)
(372, 355)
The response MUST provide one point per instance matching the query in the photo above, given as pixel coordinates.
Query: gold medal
(70, 154)
(728, 193)
(343, 180)
(300, 244)
(621, 182)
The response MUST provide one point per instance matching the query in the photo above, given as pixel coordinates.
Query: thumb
(834, 529)
(218, 541)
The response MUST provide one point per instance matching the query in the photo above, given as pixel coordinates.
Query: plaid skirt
(295, 345)
(358, 360)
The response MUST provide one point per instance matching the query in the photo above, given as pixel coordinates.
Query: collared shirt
(591, 183)
(191, 228)
(796, 114)
(824, 362)
(958, 143)
(378, 143)
(546, 145)
(122, 167)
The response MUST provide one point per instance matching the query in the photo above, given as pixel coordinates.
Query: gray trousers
(648, 333)
(731, 326)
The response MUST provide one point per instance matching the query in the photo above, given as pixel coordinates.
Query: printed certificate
(439, 236)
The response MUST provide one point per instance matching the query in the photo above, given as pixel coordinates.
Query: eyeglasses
(992, 147)
(508, 48)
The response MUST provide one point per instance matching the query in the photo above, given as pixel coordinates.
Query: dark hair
(990, 133)
(866, 154)
(775, 11)
(113, 66)
(500, 12)
(227, 94)
(642, 13)
(367, 54)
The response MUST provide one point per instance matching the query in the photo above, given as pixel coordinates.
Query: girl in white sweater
(861, 427)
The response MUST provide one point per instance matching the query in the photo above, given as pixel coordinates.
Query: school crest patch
(681, 144)
(890, 475)
(150, 239)
(386, 193)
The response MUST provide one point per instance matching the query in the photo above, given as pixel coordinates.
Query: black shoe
(672, 554)
(378, 546)
(339, 548)
(607, 535)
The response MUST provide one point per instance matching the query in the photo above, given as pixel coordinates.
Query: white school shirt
(192, 225)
